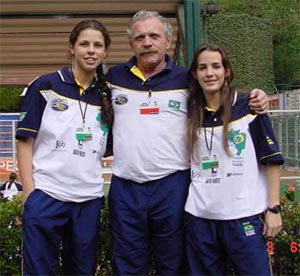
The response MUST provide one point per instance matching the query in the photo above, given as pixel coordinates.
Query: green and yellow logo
(174, 104)
(238, 139)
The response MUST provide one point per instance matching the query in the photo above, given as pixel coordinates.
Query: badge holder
(148, 109)
(83, 135)
(210, 163)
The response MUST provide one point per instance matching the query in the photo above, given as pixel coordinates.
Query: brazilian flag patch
(248, 229)
(174, 104)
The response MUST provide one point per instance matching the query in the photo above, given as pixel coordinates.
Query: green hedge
(284, 249)
(10, 99)
(248, 41)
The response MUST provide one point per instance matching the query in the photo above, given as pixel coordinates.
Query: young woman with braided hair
(62, 136)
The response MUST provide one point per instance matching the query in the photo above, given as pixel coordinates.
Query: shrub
(10, 236)
(104, 266)
(285, 248)
(10, 99)
(11, 239)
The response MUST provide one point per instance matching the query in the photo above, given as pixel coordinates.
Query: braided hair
(105, 94)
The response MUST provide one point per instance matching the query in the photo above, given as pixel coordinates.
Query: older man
(151, 160)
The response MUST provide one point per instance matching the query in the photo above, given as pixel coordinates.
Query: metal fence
(8, 151)
(286, 125)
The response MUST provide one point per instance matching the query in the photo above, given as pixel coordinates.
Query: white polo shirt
(52, 113)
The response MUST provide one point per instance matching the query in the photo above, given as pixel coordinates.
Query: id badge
(149, 108)
(83, 134)
(210, 163)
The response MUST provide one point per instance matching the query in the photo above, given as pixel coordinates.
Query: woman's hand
(273, 224)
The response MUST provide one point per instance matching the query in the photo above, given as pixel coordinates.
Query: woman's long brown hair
(197, 102)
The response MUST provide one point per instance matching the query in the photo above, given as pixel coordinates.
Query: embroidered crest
(59, 105)
(121, 99)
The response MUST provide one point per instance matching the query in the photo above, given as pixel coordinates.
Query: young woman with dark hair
(62, 135)
(235, 173)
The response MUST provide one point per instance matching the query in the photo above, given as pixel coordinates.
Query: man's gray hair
(144, 15)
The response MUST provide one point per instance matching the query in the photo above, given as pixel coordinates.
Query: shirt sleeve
(32, 109)
(2, 187)
(19, 187)
(265, 143)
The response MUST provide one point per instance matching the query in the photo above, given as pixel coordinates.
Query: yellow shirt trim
(136, 71)
(81, 88)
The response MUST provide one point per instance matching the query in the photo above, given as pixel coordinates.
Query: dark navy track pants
(49, 223)
(148, 217)
(212, 243)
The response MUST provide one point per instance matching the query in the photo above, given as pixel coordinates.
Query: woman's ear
(71, 48)
(227, 74)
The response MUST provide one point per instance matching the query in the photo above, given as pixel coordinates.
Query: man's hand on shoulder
(259, 101)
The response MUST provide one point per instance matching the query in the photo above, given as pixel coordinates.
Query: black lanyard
(209, 147)
(82, 112)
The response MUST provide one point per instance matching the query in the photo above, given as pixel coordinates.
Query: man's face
(149, 43)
